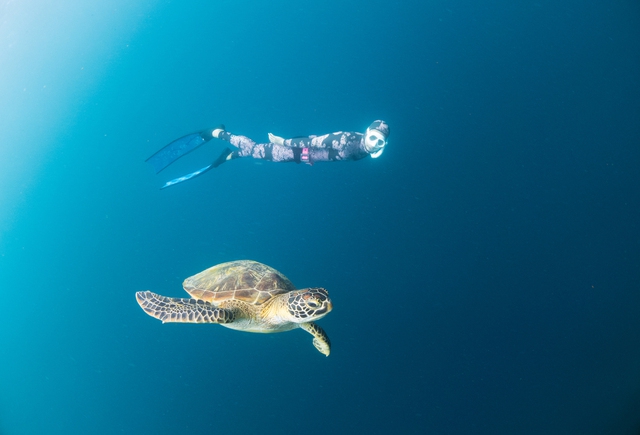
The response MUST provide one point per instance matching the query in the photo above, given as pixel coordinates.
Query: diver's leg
(282, 153)
(246, 147)
(244, 144)
(263, 151)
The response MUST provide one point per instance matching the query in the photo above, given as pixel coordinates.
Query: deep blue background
(485, 270)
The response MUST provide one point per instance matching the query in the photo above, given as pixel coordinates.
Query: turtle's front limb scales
(182, 310)
(320, 338)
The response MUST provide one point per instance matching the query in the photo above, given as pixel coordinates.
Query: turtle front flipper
(320, 338)
(182, 310)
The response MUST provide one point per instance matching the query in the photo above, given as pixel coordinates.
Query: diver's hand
(276, 139)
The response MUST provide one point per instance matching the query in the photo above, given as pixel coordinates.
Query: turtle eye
(313, 303)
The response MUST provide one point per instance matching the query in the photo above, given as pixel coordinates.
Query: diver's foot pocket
(217, 131)
(223, 157)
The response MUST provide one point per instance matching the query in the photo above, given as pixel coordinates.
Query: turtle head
(308, 304)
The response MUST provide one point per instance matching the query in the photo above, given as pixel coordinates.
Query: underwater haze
(484, 270)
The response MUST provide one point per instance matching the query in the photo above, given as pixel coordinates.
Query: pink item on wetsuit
(304, 156)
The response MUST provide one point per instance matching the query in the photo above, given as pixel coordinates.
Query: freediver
(308, 149)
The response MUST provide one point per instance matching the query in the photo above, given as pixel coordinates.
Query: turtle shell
(244, 280)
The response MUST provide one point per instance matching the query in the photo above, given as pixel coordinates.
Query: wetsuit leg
(246, 147)
(280, 153)
(244, 144)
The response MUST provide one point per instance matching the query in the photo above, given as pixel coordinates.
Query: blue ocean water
(485, 270)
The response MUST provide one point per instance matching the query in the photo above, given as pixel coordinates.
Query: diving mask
(374, 142)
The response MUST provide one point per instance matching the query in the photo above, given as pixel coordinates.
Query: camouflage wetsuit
(346, 145)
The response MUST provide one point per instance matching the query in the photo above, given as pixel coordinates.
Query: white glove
(276, 139)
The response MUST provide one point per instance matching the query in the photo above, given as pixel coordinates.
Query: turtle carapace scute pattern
(247, 296)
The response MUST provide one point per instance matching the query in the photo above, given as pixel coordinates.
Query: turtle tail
(182, 310)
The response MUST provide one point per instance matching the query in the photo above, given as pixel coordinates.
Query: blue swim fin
(187, 177)
(178, 148)
(217, 162)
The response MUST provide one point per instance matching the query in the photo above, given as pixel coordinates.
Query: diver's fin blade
(186, 177)
(176, 149)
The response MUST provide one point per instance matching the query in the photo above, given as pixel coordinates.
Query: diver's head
(375, 138)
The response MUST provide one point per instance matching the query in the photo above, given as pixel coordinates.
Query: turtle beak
(328, 306)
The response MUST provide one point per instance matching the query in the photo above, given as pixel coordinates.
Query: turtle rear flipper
(182, 310)
(320, 339)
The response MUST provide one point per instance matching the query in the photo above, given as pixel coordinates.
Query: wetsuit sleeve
(322, 141)
(330, 147)
(299, 142)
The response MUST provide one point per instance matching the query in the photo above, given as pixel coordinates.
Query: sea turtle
(247, 296)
